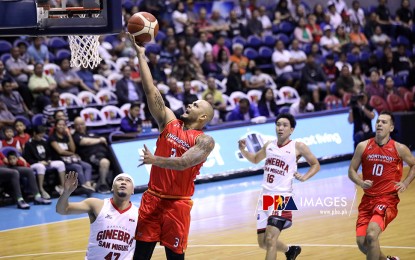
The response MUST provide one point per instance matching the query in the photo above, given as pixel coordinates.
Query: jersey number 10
(377, 169)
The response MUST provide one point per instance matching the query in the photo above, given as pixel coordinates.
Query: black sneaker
(21, 204)
(293, 252)
(104, 189)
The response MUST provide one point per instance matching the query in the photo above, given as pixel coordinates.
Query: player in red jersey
(164, 214)
(381, 158)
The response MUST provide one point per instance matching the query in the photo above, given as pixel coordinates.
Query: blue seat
(153, 48)
(4, 57)
(352, 58)
(5, 46)
(63, 54)
(228, 43)
(265, 52)
(403, 40)
(254, 41)
(37, 119)
(239, 39)
(5, 150)
(284, 38)
(160, 36)
(19, 41)
(251, 53)
(286, 27)
(364, 56)
(52, 57)
(56, 43)
(269, 41)
(25, 121)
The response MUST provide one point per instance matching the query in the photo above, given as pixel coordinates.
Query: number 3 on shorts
(176, 244)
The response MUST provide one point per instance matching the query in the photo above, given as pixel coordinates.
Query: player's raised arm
(252, 157)
(158, 109)
(407, 157)
(63, 206)
(304, 151)
(195, 155)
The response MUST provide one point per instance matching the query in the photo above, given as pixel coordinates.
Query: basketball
(143, 26)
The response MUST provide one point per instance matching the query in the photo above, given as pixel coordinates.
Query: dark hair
(244, 100)
(389, 113)
(262, 101)
(19, 120)
(12, 153)
(6, 80)
(7, 127)
(39, 129)
(135, 104)
(288, 116)
(58, 120)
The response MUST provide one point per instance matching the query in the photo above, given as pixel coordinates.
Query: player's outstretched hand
(400, 187)
(299, 176)
(242, 144)
(147, 157)
(366, 184)
(138, 48)
(71, 182)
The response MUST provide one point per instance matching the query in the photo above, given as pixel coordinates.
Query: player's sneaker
(392, 258)
(293, 252)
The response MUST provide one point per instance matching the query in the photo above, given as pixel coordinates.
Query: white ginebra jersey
(112, 233)
(280, 166)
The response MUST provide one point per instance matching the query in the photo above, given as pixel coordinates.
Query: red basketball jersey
(383, 166)
(174, 142)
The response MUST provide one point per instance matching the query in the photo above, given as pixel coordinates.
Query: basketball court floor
(224, 223)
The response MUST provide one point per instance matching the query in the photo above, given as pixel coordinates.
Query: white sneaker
(44, 194)
(392, 258)
(59, 189)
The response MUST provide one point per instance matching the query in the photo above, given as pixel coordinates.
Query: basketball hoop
(84, 50)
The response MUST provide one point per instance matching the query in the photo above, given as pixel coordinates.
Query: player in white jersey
(280, 169)
(113, 220)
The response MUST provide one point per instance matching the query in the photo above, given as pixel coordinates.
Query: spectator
(38, 52)
(344, 38)
(127, 90)
(9, 139)
(372, 64)
(183, 69)
(4, 74)
(210, 67)
(236, 28)
(379, 39)
(217, 24)
(282, 60)
(330, 69)
(302, 106)
(68, 81)
(335, 18)
(169, 53)
(23, 45)
(218, 101)
(188, 96)
(314, 28)
(13, 100)
(341, 7)
(238, 57)
(244, 111)
(254, 25)
(343, 61)
(302, 33)
(6, 118)
(375, 87)
(258, 80)
(12, 174)
(243, 12)
(234, 80)
(191, 13)
(328, 42)
(281, 12)
(370, 26)
(356, 14)
(38, 154)
(184, 48)
(223, 62)
(313, 79)
(201, 47)
(63, 148)
(50, 110)
(41, 86)
(361, 115)
(402, 64)
(266, 104)
(155, 68)
(265, 21)
(132, 123)
(358, 78)
(357, 38)
(298, 56)
(180, 19)
(219, 45)
(21, 134)
(93, 150)
(390, 86)
(319, 13)
(383, 14)
(297, 10)
(344, 83)
(86, 75)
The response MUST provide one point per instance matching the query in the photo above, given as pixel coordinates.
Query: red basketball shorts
(381, 210)
(164, 220)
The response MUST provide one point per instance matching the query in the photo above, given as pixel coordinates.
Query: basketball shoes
(392, 258)
(293, 252)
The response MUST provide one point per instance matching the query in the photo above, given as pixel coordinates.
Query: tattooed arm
(193, 156)
(158, 110)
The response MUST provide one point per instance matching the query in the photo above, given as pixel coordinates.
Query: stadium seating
(395, 103)
(378, 103)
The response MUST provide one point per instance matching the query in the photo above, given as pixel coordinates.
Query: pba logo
(278, 202)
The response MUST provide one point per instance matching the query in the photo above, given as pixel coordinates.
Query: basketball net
(84, 50)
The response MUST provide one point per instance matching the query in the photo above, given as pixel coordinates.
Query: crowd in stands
(254, 61)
